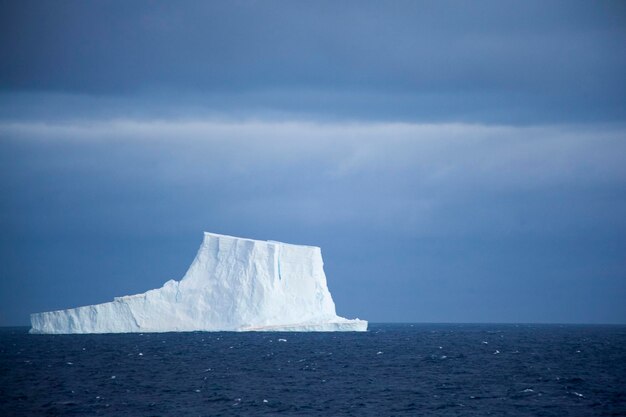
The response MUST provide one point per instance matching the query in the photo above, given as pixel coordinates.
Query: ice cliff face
(233, 284)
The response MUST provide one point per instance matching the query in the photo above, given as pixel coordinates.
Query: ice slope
(234, 284)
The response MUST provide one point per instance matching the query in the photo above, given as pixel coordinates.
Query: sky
(455, 161)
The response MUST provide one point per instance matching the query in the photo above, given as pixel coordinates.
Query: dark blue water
(543, 370)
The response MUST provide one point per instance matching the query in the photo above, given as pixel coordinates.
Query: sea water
(393, 369)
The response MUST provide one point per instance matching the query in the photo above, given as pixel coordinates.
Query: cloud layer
(438, 218)
(501, 62)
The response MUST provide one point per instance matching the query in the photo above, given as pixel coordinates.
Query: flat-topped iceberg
(234, 284)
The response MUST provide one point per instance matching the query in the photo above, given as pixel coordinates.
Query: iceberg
(233, 284)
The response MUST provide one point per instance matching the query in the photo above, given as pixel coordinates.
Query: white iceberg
(234, 284)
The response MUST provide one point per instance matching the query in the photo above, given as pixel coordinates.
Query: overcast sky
(455, 161)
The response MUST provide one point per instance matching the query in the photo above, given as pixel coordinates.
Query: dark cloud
(488, 61)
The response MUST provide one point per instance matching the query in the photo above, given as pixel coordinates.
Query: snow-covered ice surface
(234, 284)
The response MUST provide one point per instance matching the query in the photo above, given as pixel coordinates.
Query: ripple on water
(392, 369)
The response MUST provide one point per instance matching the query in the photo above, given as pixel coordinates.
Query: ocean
(391, 370)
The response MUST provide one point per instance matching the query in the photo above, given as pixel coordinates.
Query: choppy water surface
(390, 370)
